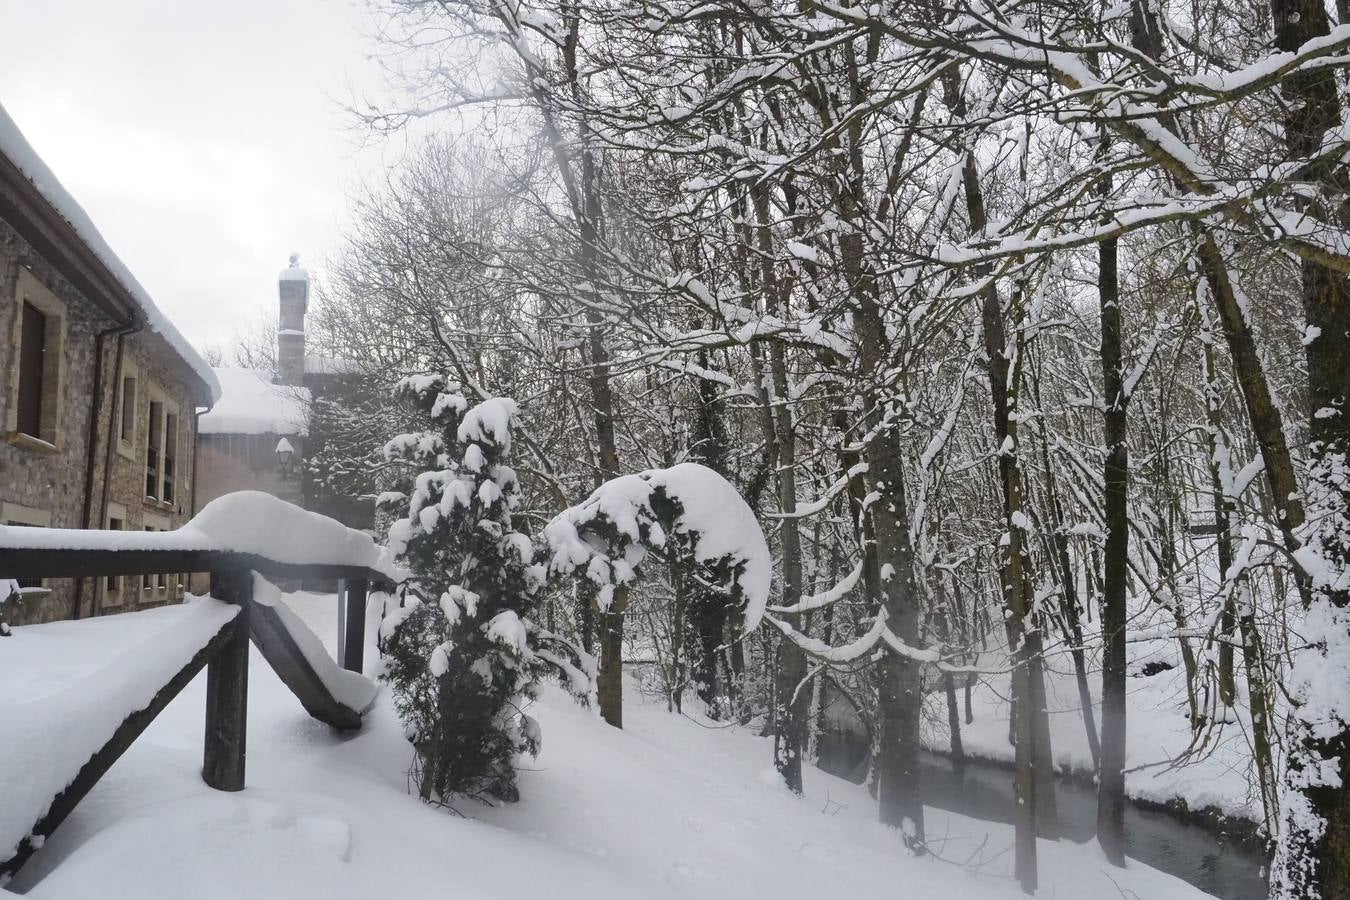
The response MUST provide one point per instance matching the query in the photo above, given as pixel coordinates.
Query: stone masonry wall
(160, 373)
(53, 481)
(37, 478)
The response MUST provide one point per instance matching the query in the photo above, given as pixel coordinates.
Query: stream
(1195, 854)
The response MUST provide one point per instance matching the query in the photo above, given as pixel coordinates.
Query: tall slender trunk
(946, 617)
(1313, 854)
(1070, 608)
(584, 193)
(900, 700)
(793, 704)
(1266, 420)
(1034, 778)
(1223, 504)
(1111, 774)
(708, 609)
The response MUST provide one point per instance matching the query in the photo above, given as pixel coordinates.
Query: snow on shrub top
(489, 422)
(610, 532)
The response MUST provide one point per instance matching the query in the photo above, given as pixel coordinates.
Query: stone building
(99, 392)
(261, 432)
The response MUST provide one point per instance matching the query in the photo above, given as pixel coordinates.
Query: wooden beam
(28, 563)
(122, 738)
(289, 662)
(352, 641)
(227, 689)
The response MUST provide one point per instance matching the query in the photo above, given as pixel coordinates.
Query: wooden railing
(225, 657)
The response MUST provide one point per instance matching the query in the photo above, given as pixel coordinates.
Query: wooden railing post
(352, 640)
(342, 620)
(227, 688)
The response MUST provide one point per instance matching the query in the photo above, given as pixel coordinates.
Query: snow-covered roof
(15, 147)
(250, 403)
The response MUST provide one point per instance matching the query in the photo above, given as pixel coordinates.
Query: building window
(151, 584)
(161, 450)
(112, 584)
(32, 348)
(170, 453)
(147, 581)
(152, 456)
(127, 397)
(37, 369)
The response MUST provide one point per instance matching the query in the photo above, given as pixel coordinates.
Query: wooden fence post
(352, 641)
(342, 621)
(227, 689)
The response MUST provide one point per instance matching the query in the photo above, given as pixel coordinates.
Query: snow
(294, 272)
(15, 147)
(250, 403)
(663, 808)
(489, 422)
(66, 686)
(241, 522)
(351, 689)
(713, 515)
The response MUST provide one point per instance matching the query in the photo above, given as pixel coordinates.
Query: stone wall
(36, 478)
(159, 377)
(47, 484)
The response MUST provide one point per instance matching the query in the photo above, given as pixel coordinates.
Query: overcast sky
(206, 140)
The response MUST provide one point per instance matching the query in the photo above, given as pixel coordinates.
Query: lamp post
(285, 457)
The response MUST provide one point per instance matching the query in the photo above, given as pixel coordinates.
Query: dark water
(1190, 852)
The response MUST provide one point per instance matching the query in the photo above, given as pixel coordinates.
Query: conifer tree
(462, 656)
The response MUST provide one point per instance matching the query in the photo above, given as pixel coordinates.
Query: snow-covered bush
(461, 653)
(688, 510)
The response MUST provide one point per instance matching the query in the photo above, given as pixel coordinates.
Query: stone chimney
(294, 289)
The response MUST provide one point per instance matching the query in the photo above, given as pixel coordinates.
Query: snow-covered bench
(74, 705)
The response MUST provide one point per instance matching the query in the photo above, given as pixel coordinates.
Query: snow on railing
(248, 522)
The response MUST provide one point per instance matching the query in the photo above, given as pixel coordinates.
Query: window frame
(130, 372)
(113, 586)
(28, 290)
(167, 410)
(155, 587)
(28, 517)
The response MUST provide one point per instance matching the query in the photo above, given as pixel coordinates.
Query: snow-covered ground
(667, 807)
(1161, 766)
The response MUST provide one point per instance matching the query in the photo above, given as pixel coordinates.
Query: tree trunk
(794, 704)
(1223, 504)
(1111, 775)
(900, 700)
(1313, 854)
(1070, 608)
(1033, 757)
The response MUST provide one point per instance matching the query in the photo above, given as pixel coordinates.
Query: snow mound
(251, 404)
(662, 809)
